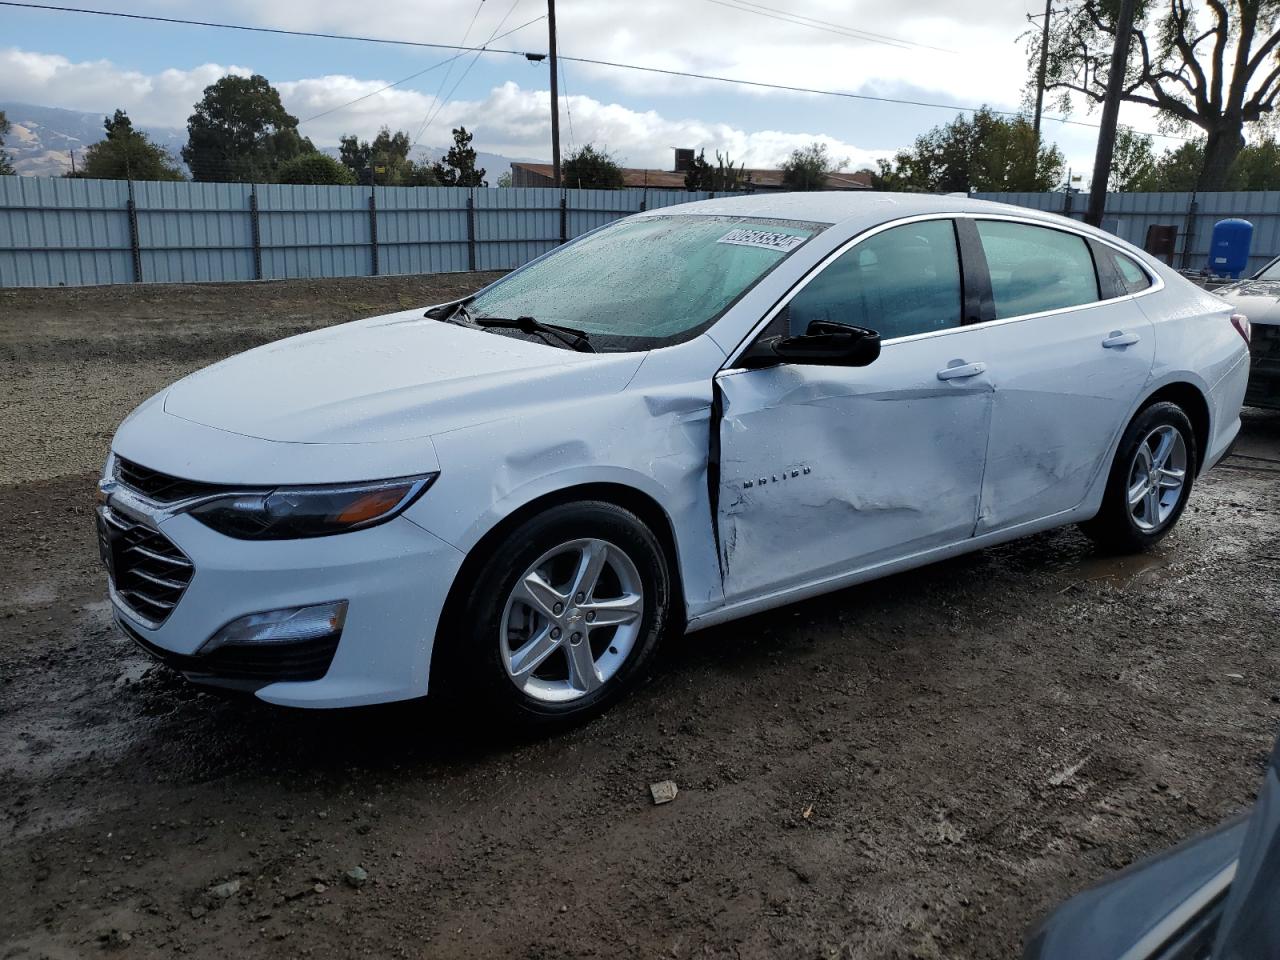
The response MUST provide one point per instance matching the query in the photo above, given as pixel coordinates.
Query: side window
(901, 281)
(1133, 276)
(1036, 268)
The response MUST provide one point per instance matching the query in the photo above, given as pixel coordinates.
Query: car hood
(389, 378)
(1259, 300)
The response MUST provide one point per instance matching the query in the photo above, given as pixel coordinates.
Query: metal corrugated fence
(1129, 214)
(57, 232)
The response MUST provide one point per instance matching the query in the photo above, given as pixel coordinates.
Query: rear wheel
(1150, 480)
(563, 616)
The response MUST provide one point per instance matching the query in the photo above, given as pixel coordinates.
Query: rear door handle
(959, 370)
(1119, 338)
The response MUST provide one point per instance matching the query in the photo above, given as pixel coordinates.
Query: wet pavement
(915, 767)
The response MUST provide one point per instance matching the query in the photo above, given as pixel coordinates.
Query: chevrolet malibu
(682, 418)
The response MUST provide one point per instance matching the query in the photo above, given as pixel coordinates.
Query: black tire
(1115, 528)
(471, 668)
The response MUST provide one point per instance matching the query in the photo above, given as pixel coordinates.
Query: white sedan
(685, 417)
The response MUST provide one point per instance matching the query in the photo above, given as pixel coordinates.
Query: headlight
(289, 513)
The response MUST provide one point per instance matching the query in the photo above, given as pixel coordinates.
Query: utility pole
(1044, 62)
(1110, 114)
(555, 93)
(73, 161)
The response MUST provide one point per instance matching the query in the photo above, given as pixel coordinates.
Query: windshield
(647, 282)
(1271, 272)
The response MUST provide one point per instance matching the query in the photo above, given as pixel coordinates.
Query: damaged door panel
(1065, 381)
(826, 469)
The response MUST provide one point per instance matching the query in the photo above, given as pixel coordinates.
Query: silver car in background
(1258, 298)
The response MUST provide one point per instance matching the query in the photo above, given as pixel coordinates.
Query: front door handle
(958, 370)
(1119, 338)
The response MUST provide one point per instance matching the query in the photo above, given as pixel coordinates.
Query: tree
(724, 176)
(241, 132)
(1132, 161)
(6, 165)
(699, 173)
(809, 167)
(127, 154)
(385, 161)
(1175, 170)
(591, 169)
(1215, 76)
(315, 168)
(1256, 168)
(504, 180)
(985, 152)
(458, 169)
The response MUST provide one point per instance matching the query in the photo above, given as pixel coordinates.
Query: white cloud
(510, 120)
(986, 62)
(160, 99)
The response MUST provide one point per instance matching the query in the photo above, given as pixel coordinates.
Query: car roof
(855, 208)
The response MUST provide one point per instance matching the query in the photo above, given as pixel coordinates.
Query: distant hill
(41, 139)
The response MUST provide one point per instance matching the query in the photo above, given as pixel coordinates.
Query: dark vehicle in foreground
(1215, 897)
(1258, 298)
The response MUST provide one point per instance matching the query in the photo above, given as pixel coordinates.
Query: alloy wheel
(571, 620)
(1156, 477)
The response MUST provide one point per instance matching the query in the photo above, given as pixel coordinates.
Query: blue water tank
(1229, 249)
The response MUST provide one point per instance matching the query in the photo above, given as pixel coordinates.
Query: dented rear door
(824, 469)
(1067, 368)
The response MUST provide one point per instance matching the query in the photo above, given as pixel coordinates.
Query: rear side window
(899, 282)
(1132, 276)
(1034, 269)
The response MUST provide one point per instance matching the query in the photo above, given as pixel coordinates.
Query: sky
(961, 53)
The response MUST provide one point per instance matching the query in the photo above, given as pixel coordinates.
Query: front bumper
(395, 578)
(1264, 367)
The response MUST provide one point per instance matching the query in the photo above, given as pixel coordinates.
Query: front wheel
(1150, 480)
(564, 615)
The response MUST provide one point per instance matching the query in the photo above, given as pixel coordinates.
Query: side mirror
(825, 343)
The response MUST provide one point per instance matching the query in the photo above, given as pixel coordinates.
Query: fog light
(291, 625)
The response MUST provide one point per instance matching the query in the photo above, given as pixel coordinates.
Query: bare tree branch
(1213, 64)
(1263, 101)
(1222, 32)
(1201, 91)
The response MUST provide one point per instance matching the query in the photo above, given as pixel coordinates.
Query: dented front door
(824, 470)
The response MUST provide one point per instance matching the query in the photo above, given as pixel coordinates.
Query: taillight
(1241, 323)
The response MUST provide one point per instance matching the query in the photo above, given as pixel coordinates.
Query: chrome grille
(157, 486)
(148, 572)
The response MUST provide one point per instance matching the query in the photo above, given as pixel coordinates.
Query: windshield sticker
(779, 242)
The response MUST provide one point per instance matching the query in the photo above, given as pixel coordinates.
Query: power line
(448, 73)
(787, 88)
(826, 26)
(568, 114)
(413, 76)
(439, 106)
(758, 84)
(249, 29)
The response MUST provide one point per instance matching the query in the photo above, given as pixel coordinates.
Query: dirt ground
(912, 768)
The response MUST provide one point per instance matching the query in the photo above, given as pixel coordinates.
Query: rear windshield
(646, 282)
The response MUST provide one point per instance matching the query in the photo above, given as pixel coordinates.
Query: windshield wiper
(568, 336)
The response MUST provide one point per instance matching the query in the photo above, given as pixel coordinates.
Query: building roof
(674, 180)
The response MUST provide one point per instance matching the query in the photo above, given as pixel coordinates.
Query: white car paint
(877, 469)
